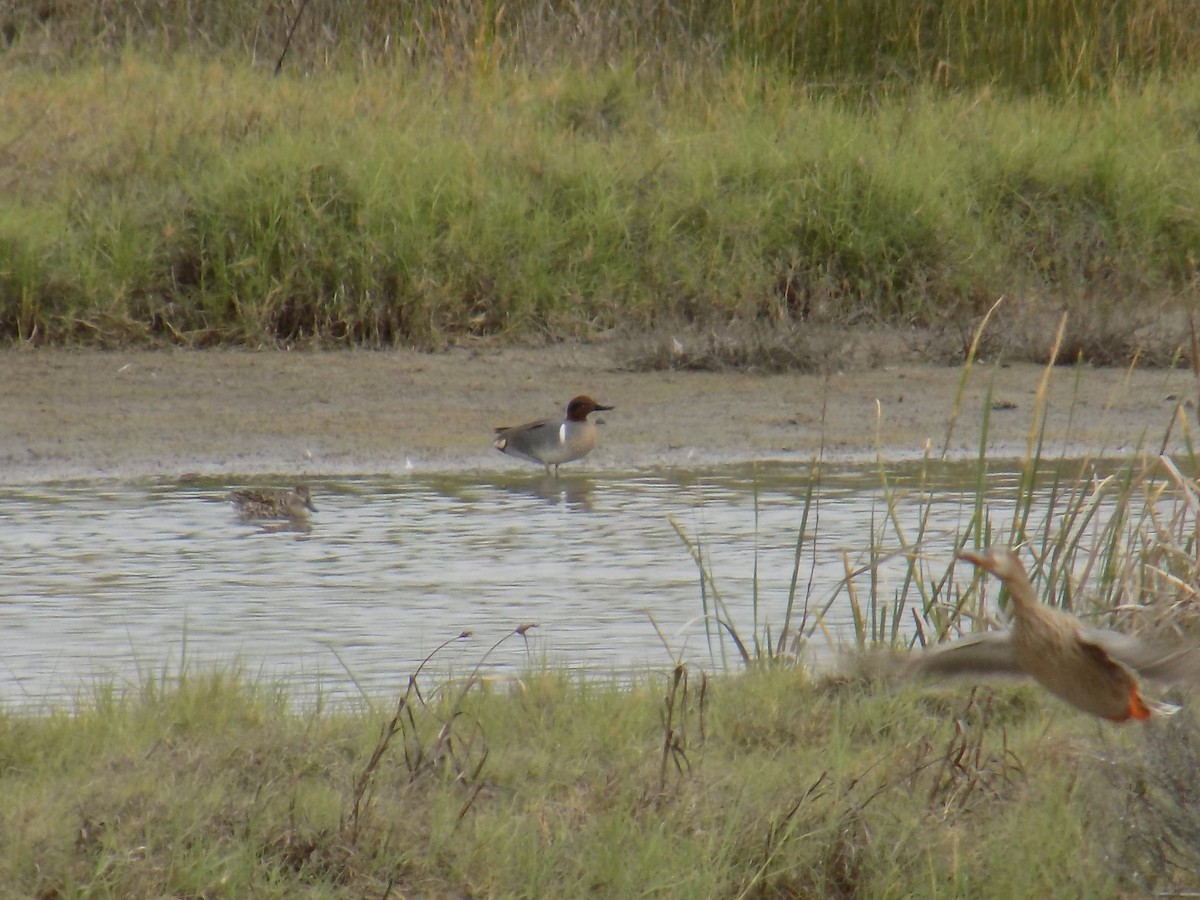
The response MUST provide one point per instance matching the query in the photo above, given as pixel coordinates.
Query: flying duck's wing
(1153, 659)
(986, 653)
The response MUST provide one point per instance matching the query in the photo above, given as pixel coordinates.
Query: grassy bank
(422, 174)
(761, 785)
(196, 202)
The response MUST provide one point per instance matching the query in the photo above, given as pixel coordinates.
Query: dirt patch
(67, 414)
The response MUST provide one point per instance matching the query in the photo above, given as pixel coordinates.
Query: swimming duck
(293, 504)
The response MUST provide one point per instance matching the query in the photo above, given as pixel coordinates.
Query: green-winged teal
(553, 442)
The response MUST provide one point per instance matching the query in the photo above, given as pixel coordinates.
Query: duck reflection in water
(574, 492)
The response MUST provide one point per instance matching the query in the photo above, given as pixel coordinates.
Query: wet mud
(87, 414)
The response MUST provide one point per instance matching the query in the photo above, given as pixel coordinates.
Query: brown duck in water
(275, 504)
(1093, 669)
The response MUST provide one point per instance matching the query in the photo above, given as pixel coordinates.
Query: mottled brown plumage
(1093, 669)
(273, 504)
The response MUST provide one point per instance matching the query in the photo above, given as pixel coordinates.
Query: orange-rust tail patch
(1137, 709)
(1137, 706)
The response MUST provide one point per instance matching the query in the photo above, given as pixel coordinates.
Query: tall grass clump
(423, 174)
(846, 47)
(198, 203)
(1114, 541)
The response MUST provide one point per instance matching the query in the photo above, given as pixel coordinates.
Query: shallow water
(119, 581)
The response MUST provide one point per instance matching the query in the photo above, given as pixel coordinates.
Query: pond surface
(124, 581)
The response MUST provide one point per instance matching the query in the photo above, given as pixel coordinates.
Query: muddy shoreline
(165, 414)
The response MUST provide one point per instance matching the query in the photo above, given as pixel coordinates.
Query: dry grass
(1159, 830)
(754, 348)
(845, 48)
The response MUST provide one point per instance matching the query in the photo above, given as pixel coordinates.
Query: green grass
(196, 202)
(426, 174)
(553, 786)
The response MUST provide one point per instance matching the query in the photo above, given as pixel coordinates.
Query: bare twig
(291, 31)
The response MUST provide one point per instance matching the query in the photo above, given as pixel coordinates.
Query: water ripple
(116, 580)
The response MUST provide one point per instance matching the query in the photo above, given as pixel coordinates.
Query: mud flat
(72, 414)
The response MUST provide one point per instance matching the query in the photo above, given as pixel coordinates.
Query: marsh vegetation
(423, 176)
